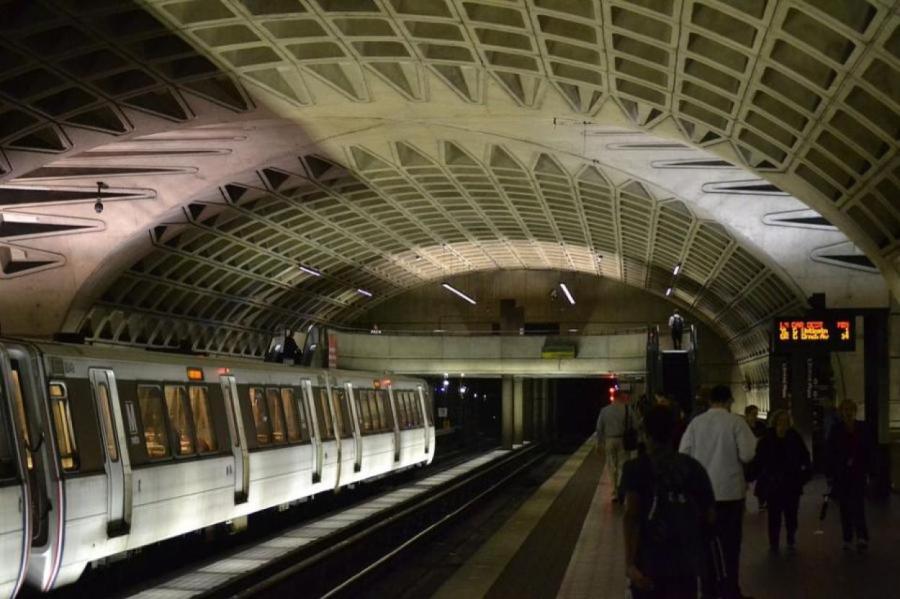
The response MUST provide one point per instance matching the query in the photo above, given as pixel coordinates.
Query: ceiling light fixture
(310, 271)
(668, 292)
(677, 269)
(458, 293)
(568, 293)
(364, 292)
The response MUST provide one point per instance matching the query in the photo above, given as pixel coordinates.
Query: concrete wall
(602, 305)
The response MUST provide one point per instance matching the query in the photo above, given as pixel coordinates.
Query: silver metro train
(105, 450)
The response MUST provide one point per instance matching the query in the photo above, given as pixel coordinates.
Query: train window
(180, 419)
(260, 417)
(416, 408)
(106, 421)
(21, 419)
(291, 417)
(402, 410)
(203, 419)
(380, 422)
(8, 468)
(156, 439)
(276, 420)
(304, 417)
(62, 421)
(323, 413)
(384, 410)
(365, 413)
(226, 396)
(342, 411)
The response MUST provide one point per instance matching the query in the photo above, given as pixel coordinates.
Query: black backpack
(672, 538)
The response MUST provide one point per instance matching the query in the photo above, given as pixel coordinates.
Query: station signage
(831, 333)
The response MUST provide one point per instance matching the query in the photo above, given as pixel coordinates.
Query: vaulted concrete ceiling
(388, 143)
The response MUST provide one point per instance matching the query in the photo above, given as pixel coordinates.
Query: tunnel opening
(580, 401)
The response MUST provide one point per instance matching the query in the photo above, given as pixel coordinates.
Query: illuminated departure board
(833, 334)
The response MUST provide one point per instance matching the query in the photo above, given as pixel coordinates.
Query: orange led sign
(834, 334)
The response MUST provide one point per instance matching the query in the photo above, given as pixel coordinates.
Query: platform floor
(566, 541)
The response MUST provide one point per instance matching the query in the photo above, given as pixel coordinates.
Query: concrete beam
(489, 355)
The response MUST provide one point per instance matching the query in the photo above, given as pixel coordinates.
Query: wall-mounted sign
(828, 333)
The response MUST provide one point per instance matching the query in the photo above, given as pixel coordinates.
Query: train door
(25, 390)
(315, 436)
(115, 450)
(396, 421)
(238, 439)
(14, 492)
(354, 424)
(426, 417)
(333, 398)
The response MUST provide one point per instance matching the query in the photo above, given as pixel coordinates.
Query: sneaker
(862, 545)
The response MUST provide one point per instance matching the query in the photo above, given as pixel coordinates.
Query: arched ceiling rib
(802, 88)
(227, 274)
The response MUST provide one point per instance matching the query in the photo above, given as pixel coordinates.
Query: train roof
(128, 354)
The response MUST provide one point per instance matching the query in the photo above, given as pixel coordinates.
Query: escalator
(673, 372)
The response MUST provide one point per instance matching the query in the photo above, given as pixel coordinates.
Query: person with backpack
(784, 467)
(676, 326)
(723, 443)
(669, 502)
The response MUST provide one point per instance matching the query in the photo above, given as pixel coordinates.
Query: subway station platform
(566, 541)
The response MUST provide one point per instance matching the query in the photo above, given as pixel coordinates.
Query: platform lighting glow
(364, 292)
(668, 292)
(677, 269)
(310, 271)
(463, 389)
(568, 293)
(446, 375)
(446, 383)
(458, 293)
(573, 330)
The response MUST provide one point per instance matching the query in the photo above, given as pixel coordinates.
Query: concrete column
(518, 412)
(506, 413)
(543, 427)
(553, 407)
(528, 414)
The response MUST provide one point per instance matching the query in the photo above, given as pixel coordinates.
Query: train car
(105, 450)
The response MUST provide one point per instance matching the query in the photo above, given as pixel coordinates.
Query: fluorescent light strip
(364, 292)
(310, 271)
(568, 294)
(668, 292)
(677, 269)
(459, 293)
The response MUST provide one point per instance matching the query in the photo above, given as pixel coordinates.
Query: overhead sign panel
(809, 333)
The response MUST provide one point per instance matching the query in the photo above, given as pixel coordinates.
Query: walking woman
(850, 453)
(784, 467)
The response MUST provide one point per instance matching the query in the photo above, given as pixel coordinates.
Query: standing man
(611, 425)
(676, 326)
(850, 455)
(723, 443)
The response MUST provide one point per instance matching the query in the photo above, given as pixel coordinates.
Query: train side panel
(13, 537)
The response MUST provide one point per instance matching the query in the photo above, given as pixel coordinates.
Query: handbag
(630, 436)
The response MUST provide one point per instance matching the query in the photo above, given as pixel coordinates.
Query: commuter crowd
(684, 480)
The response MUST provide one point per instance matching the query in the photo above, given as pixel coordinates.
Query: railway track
(339, 563)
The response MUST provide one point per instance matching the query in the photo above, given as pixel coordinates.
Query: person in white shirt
(611, 425)
(723, 443)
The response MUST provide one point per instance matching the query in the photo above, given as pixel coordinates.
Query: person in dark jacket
(784, 467)
(850, 453)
